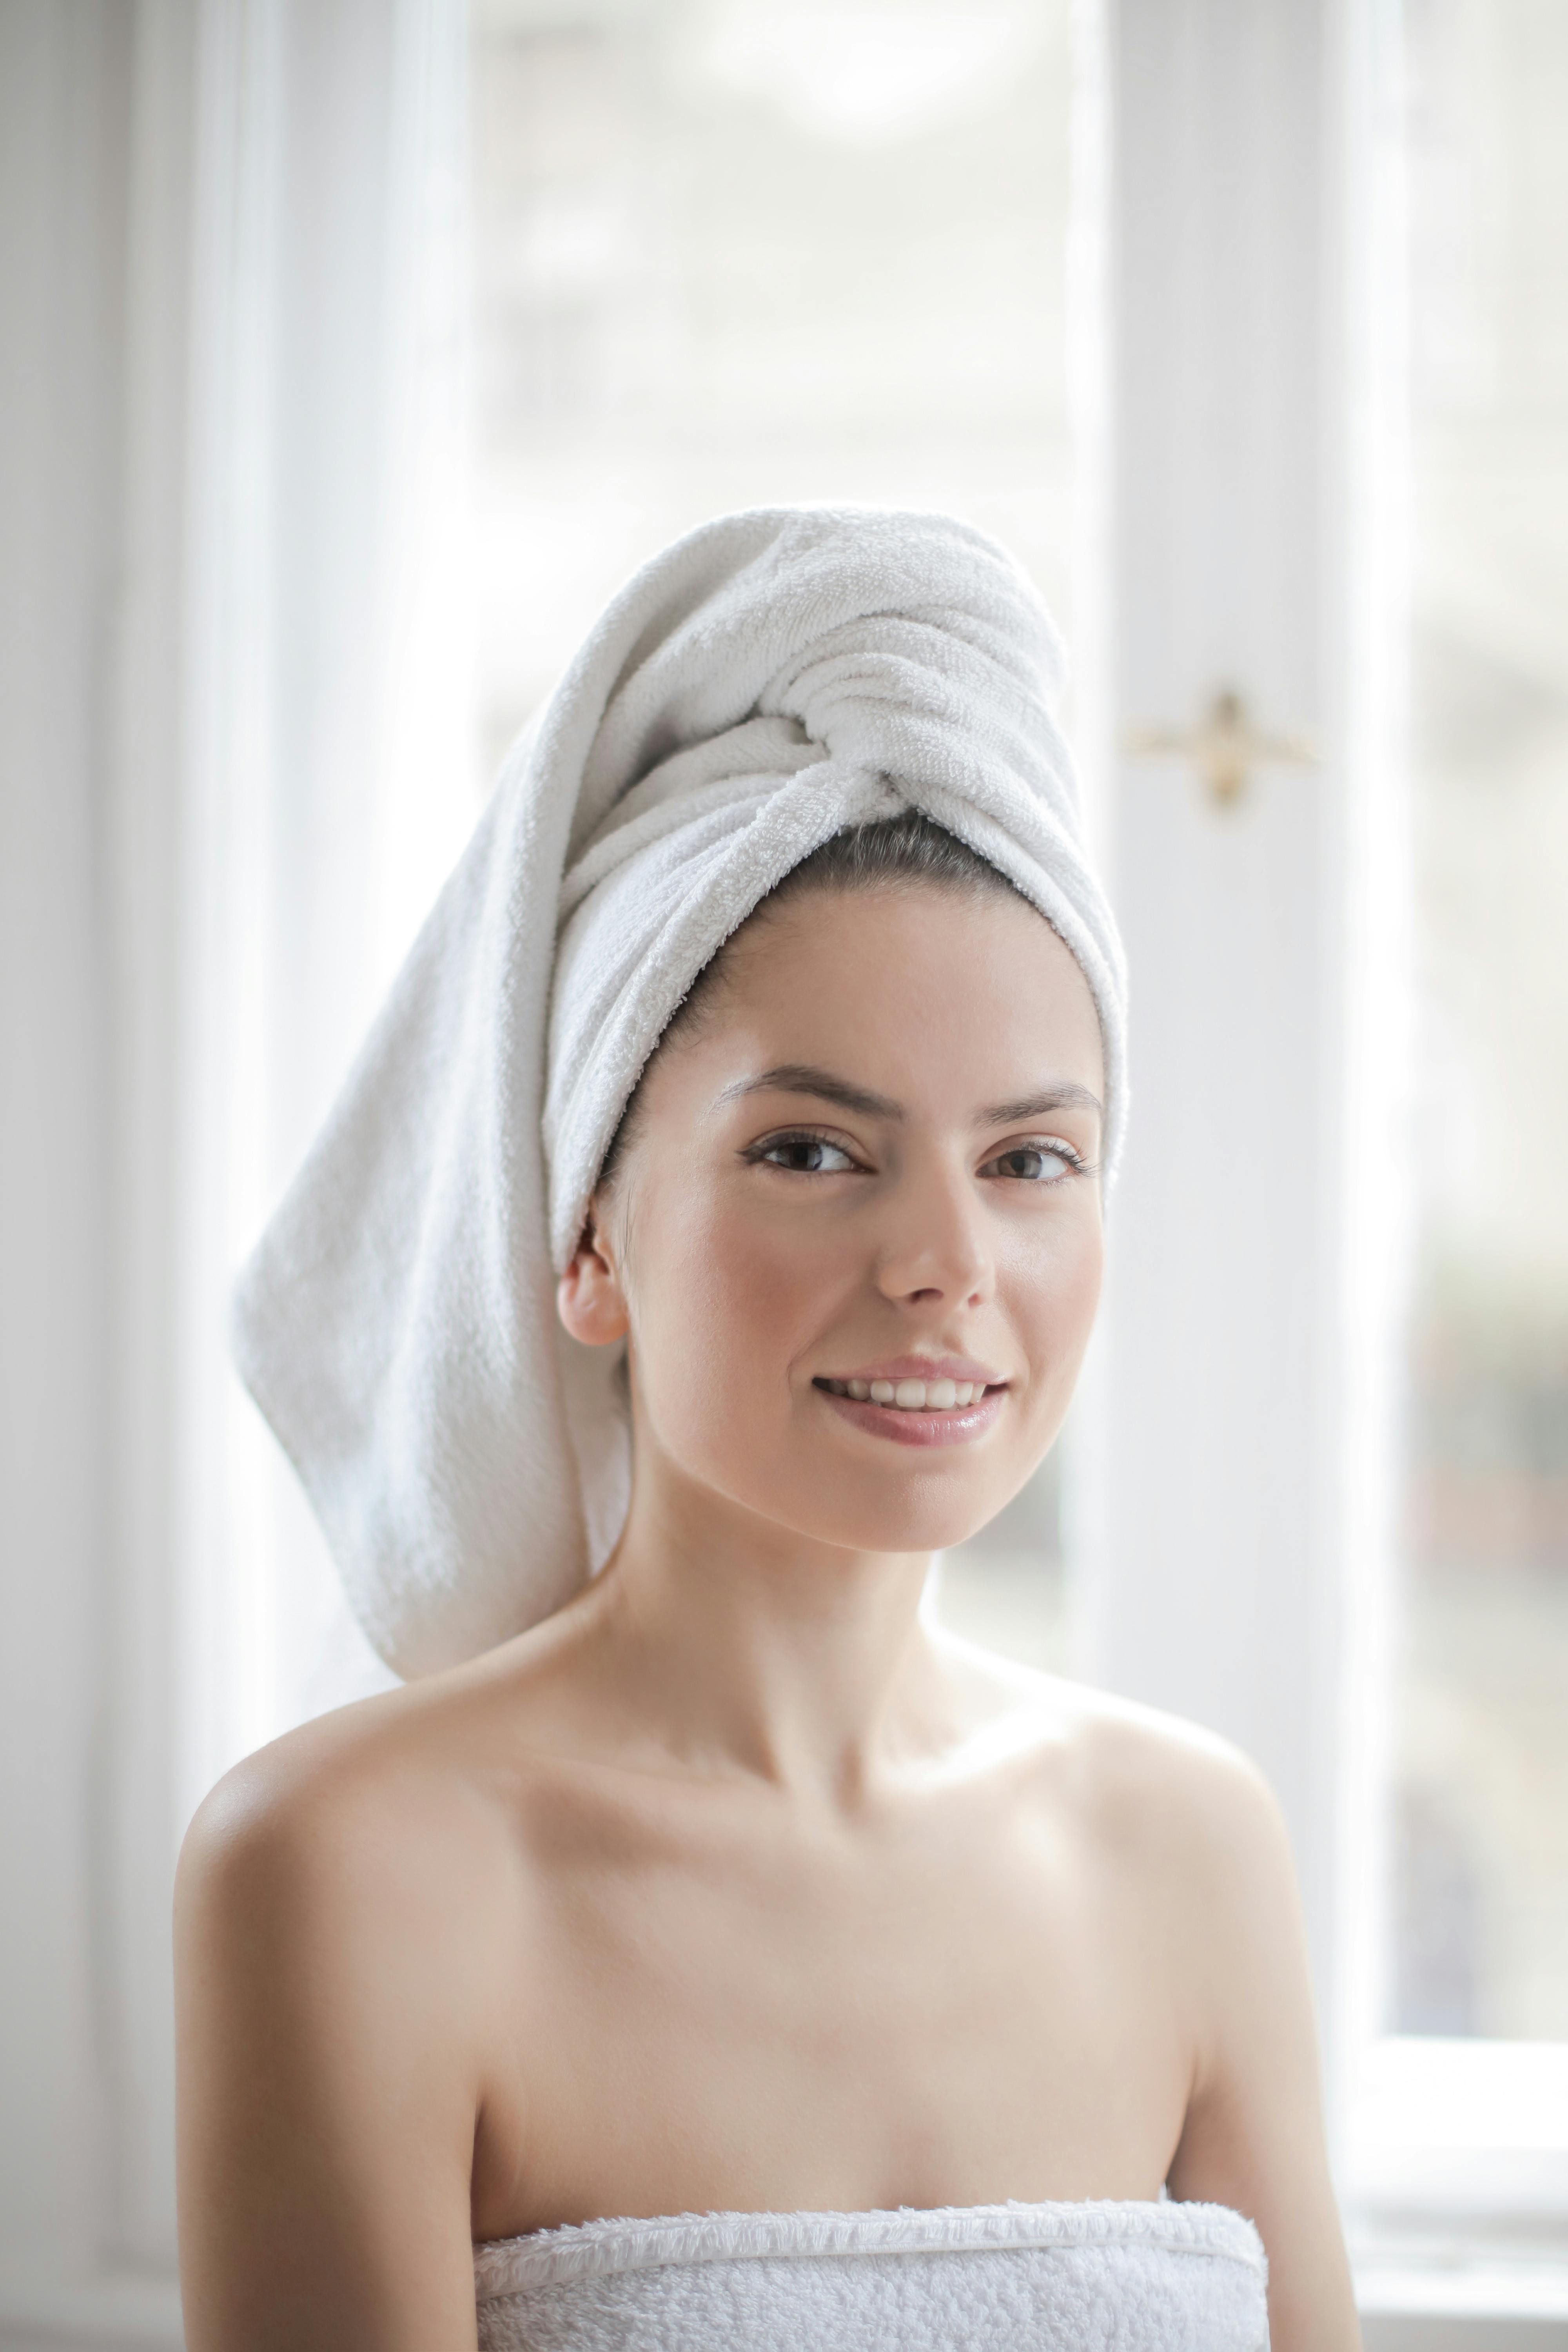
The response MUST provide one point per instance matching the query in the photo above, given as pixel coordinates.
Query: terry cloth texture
(768, 681)
(1116, 2276)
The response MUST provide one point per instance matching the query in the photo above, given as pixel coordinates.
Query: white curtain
(330, 780)
(235, 743)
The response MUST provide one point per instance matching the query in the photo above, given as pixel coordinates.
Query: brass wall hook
(1224, 747)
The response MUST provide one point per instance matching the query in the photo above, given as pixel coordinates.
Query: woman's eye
(804, 1155)
(1035, 1163)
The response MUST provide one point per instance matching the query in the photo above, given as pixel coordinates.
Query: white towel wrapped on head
(771, 680)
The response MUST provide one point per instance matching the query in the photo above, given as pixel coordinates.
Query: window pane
(760, 251)
(1482, 1892)
(756, 251)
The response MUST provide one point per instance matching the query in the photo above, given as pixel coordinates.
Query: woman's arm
(1254, 2132)
(325, 2097)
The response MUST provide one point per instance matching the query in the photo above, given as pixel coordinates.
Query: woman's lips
(921, 1368)
(958, 1425)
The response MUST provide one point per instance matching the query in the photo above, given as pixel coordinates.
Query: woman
(716, 1207)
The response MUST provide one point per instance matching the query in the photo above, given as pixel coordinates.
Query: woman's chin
(897, 1526)
(877, 1496)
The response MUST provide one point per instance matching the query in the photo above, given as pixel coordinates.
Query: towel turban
(772, 679)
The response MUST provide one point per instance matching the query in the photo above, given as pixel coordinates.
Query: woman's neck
(735, 1645)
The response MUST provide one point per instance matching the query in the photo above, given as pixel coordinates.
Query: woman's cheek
(725, 1300)
(771, 1288)
(1057, 1297)
(1079, 1277)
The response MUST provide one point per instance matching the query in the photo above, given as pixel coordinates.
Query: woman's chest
(952, 2022)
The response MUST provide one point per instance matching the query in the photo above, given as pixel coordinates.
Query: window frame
(1254, 469)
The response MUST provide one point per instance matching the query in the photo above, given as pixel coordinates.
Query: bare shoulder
(390, 1850)
(1161, 1781)
(1191, 1821)
(357, 1883)
(1189, 1827)
(1142, 1778)
(366, 1801)
(1169, 1821)
(334, 1987)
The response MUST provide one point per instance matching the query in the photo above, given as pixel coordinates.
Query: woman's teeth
(910, 1396)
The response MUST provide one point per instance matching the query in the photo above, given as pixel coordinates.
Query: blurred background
(354, 352)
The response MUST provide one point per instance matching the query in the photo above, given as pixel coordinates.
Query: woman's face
(872, 1163)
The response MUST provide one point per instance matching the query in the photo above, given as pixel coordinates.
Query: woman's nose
(936, 1246)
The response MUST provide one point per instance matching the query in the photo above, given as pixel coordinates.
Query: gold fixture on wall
(1224, 746)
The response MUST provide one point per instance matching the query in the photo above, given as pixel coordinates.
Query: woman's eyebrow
(802, 1078)
(1062, 1097)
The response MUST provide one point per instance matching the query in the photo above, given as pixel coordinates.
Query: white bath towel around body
(1118, 2276)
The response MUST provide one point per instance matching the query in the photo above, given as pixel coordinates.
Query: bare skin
(737, 1885)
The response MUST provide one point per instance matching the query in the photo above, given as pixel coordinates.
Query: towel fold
(769, 680)
(1064, 2277)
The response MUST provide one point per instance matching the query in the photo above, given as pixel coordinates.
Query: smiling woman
(704, 1946)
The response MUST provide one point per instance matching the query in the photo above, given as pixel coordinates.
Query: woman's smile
(928, 1420)
(918, 1400)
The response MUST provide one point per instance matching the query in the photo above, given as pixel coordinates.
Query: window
(1480, 1910)
(757, 252)
(1459, 2137)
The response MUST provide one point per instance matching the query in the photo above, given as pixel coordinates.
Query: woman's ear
(588, 1297)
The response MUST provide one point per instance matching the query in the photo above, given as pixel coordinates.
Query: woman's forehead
(910, 996)
(906, 920)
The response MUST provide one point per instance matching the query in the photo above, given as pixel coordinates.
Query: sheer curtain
(236, 750)
(331, 779)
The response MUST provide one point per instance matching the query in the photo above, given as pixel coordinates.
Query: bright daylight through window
(1481, 1907)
